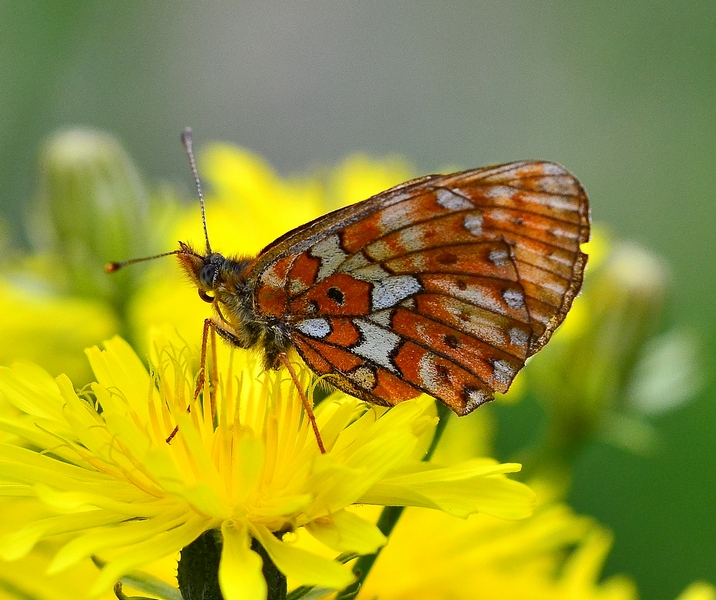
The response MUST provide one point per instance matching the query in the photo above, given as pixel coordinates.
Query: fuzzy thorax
(224, 283)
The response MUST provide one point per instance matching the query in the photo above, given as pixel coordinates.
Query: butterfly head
(202, 269)
(215, 276)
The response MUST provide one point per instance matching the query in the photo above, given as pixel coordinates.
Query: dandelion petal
(347, 532)
(305, 567)
(154, 548)
(240, 575)
(460, 490)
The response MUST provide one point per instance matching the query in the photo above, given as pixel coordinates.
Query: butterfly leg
(231, 338)
(201, 379)
(306, 404)
(282, 358)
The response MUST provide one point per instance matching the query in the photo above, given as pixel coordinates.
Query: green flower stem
(553, 457)
(444, 413)
(275, 580)
(198, 571)
(390, 515)
(198, 568)
(119, 593)
(149, 585)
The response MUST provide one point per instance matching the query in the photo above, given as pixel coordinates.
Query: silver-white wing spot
(315, 328)
(500, 192)
(452, 201)
(476, 397)
(518, 337)
(556, 199)
(553, 169)
(499, 258)
(400, 196)
(353, 262)
(331, 254)
(382, 317)
(555, 286)
(478, 324)
(559, 181)
(269, 277)
(394, 217)
(370, 273)
(428, 372)
(502, 372)
(389, 292)
(473, 223)
(408, 303)
(514, 298)
(376, 344)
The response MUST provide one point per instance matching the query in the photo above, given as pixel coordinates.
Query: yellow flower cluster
(250, 467)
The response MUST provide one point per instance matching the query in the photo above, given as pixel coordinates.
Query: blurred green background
(623, 94)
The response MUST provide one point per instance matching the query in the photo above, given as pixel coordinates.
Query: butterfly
(443, 285)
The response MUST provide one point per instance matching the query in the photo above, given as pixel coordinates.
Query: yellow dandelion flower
(359, 176)
(434, 556)
(246, 464)
(698, 591)
(49, 328)
(248, 204)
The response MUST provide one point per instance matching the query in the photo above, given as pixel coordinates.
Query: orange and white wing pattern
(443, 285)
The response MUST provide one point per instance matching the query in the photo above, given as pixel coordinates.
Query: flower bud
(91, 208)
(586, 367)
(583, 376)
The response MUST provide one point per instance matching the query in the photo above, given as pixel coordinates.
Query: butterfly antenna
(187, 140)
(111, 267)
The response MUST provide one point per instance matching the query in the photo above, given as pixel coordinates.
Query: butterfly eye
(208, 275)
(205, 297)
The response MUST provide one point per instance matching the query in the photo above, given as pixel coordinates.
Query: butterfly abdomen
(235, 294)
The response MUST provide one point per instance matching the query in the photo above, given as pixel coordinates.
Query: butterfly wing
(445, 284)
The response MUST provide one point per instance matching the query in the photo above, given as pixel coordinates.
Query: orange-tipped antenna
(187, 139)
(116, 266)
